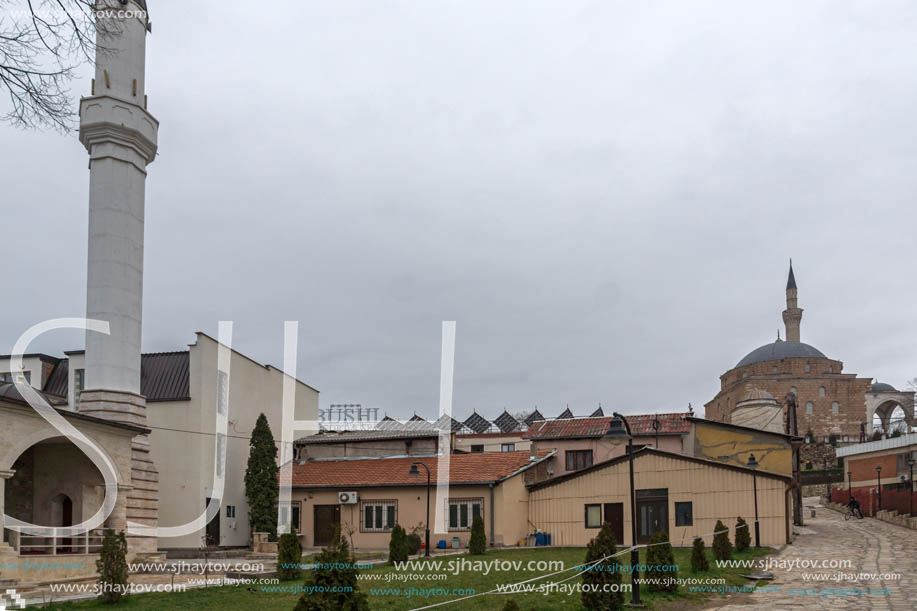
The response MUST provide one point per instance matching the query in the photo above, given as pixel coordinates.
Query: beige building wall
(602, 449)
(186, 460)
(508, 521)
(492, 442)
(716, 494)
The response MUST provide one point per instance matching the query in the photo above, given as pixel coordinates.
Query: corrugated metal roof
(164, 376)
(507, 423)
(477, 423)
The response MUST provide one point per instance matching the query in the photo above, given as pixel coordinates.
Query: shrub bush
(413, 543)
(289, 555)
(478, 542)
(743, 536)
(333, 586)
(510, 605)
(112, 567)
(600, 575)
(659, 563)
(398, 545)
(722, 548)
(699, 556)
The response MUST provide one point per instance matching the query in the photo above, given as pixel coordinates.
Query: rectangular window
(578, 459)
(684, 515)
(477, 448)
(809, 407)
(230, 511)
(508, 447)
(463, 511)
(294, 520)
(222, 392)
(378, 516)
(7, 377)
(593, 516)
(221, 453)
(79, 383)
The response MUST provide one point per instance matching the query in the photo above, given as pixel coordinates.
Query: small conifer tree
(398, 545)
(112, 567)
(261, 483)
(722, 548)
(743, 537)
(478, 542)
(333, 586)
(289, 555)
(699, 556)
(602, 574)
(660, 563)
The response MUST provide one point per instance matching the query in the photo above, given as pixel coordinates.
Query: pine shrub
(261, 483)
(603, 575)
(289, 555)
(333, 585)
(660, 562)
(398, 545)
(722, 548)
(478, 542)
(112, 567)
(743, 537)
(510, 605)
(699, 557)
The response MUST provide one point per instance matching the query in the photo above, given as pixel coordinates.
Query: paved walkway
(872, 546)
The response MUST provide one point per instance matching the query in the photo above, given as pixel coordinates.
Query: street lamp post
(415, 471)
(753, 465)
(634, 554)
(879, 484)
(849, 491)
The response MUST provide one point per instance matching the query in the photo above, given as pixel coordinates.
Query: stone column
(5, 549)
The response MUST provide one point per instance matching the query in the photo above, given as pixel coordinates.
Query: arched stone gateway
(882, 401)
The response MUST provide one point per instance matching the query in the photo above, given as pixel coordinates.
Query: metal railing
(89, 542)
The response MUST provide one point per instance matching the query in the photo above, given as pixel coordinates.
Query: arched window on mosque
(835, 408)
(821, 391)
(810, 409)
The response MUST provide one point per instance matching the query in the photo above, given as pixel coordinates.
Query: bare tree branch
(42, 42)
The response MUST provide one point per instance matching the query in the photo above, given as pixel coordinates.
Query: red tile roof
(574, 428)
(482, 468)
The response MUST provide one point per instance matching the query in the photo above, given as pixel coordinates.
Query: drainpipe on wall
(492, 510)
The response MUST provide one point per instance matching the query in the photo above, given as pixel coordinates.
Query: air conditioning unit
(348, 498)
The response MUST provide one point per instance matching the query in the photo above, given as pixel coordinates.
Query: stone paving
(873, 547)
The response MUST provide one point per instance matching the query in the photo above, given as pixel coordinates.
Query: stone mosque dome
(758, 410)
(883, 387)
(780, 350)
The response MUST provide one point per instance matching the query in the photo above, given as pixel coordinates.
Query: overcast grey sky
(603, 195)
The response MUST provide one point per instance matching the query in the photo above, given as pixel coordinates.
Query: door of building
(652, 513)
(614, 515)
(325, 518)
(212, 531)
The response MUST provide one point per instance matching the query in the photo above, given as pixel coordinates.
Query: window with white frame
(222, 391)
(378, 516)
(230, 511)
(7, 377)
(221, 453)
(463, 511)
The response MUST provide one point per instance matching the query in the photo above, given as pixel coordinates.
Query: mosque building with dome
(829, 401)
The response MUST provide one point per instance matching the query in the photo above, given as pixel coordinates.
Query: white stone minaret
(120, 136)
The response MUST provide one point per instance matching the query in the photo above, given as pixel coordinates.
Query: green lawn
(239, 597)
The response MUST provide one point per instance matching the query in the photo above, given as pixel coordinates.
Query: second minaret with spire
(792, 315)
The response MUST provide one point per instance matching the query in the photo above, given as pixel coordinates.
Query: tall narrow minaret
(792, 315)
(120, 136)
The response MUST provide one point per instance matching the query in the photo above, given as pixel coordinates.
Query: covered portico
(46, 480)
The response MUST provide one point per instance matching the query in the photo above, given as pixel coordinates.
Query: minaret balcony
(112, 127)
